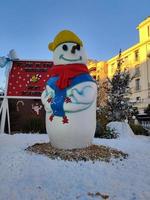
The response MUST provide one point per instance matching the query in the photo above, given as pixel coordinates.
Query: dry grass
(93, 153)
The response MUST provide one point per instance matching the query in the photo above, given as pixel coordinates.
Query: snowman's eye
(78, 47)
(65, 47)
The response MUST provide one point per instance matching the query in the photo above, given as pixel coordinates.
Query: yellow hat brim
(50, 46)
(63, 37)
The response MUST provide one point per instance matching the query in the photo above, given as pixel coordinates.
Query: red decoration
(51, 117)
(68, 100)
(65, 120)
(28, 78)
(49, 100)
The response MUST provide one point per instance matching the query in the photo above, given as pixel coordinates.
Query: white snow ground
(26, 176)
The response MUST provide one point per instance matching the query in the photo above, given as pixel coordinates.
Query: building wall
(99, 71)
(144, 30)
(92, 65)
(137, 60)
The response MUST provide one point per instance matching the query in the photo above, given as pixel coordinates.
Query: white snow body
(81, 111)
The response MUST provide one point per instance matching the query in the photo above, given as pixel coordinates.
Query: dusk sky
(105, 26)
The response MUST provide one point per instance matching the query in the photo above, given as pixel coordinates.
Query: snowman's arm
(81, 100)
(85, 96)
(46, 97)
(75, 107)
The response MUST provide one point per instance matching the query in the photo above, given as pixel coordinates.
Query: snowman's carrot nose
(73, 50)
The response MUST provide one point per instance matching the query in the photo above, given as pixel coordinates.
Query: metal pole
(3, 117)
(4, 107)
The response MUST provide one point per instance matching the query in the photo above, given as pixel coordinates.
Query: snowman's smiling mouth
(70, 60)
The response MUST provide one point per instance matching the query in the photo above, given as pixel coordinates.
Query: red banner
(28, 78)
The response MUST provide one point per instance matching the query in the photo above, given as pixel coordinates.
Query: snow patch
(121, 128)
(28, 176)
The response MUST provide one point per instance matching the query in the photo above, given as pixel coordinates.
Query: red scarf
(66, 73)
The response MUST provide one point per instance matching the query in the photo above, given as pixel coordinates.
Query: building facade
(137, 60)
(99, 71)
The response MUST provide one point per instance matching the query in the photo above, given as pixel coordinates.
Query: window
(137, 71)
(136, 54)
(148, 50)
(148, 31)
(137, 84)
(138, 99)
(112, 67)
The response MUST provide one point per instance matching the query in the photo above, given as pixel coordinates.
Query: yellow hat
(62, 37)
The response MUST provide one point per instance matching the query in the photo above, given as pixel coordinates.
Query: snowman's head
(68, 53)
(67, 49)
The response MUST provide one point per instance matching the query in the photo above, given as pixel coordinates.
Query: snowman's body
(71, 122)
(81, 114)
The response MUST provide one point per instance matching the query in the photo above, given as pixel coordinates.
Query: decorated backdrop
(27, 78)
(25, 84)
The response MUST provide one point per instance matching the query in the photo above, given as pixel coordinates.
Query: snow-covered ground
(26, 176)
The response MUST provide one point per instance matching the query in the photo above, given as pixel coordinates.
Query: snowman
(70, 95)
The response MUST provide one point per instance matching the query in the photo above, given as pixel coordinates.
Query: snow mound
(121, 128)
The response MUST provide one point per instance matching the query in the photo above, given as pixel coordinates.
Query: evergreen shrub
(104, 132)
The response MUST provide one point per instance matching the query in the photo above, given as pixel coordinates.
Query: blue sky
(105, 26)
